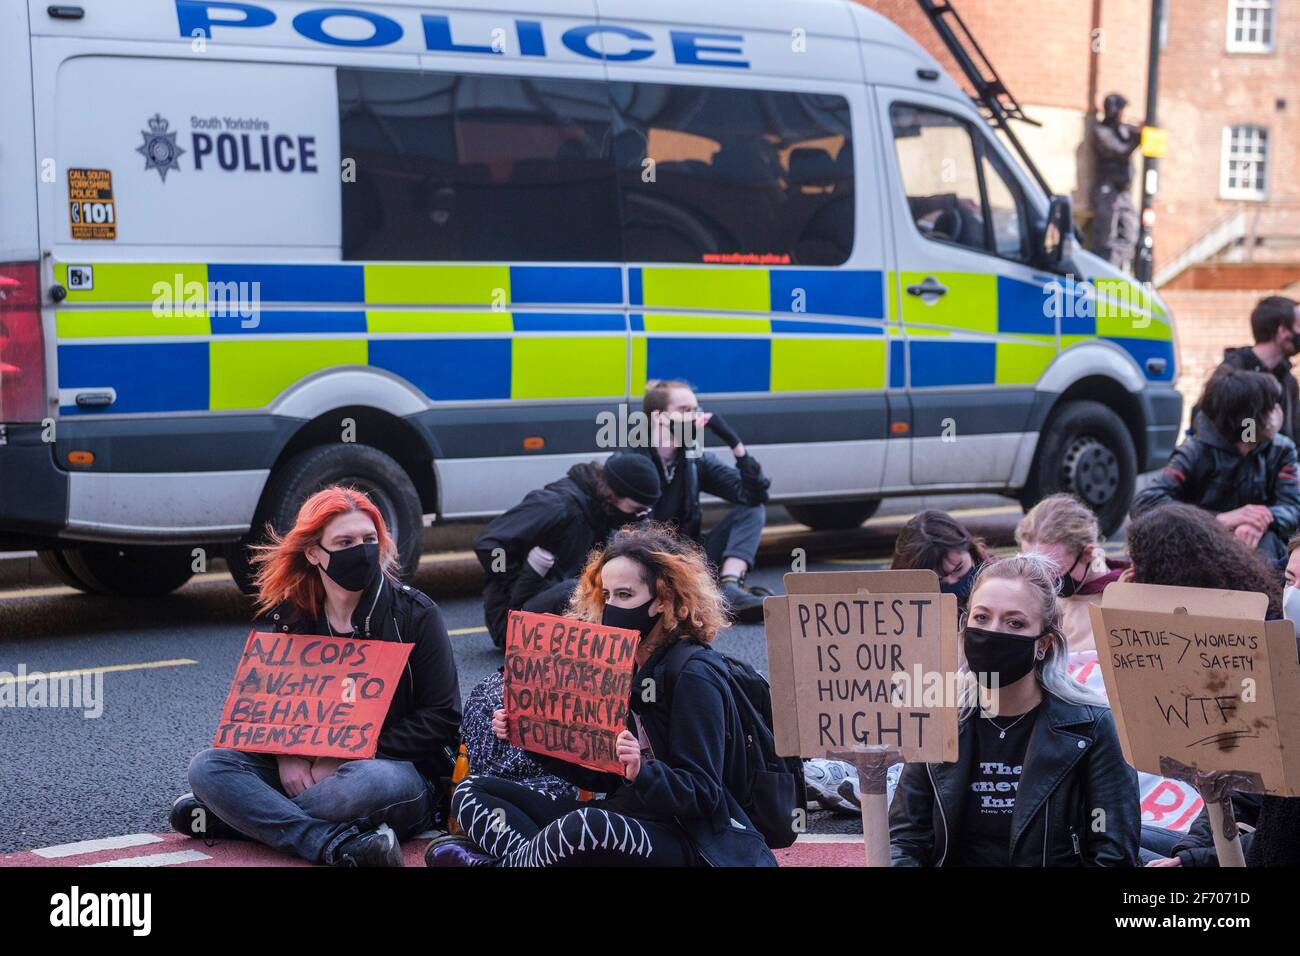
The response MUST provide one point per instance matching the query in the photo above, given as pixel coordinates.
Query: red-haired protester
(334, 574)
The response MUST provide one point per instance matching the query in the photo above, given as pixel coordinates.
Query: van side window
(729, 175)
(958, 191)
(458, 167)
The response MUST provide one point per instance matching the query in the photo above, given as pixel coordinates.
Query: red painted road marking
(173, 849)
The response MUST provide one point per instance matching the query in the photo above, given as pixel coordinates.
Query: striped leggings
(520, 826)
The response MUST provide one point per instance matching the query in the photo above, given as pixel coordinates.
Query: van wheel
(360, 466)
(1085, 449)
(834, 515)
(121, 570)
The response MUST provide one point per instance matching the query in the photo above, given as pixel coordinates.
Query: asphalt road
(65, 777)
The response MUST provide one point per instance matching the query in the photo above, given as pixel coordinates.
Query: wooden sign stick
(873, 763)
(1216, 788)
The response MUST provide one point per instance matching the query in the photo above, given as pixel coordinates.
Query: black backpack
(772, 787)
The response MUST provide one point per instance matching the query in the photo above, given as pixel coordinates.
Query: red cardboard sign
(567, 687)
(311, 696)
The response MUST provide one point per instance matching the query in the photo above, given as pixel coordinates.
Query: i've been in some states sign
(567, 687)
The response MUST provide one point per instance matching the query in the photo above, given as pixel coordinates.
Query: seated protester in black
(1183, 546)
(1038, 761)
(1236, 465)
(491, 757)
(676, 423)
(334, 574)
(936, 541)
(683, 757)
(532, 553)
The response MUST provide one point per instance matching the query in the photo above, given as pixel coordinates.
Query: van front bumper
(33, 489)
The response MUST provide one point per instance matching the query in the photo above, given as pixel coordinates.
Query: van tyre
(122, 570)
(367, 469)
(1085, 449)
(834, 515)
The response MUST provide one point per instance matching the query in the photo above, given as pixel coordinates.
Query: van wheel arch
(1088, 447)
(388, 457)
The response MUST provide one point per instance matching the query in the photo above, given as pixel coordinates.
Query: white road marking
(94, 846)
(155, 859)
(829, 838)
(107, 669)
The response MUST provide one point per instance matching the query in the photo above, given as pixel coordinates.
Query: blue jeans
(243, 790)
(1157, 842)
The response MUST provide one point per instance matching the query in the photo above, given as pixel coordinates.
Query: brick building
(1228, 208)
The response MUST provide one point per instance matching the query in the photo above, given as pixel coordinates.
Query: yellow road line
(110, 668)
(455, 632)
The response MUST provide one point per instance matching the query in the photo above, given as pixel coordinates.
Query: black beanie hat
(634, 476)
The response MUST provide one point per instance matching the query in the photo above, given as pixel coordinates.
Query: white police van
(247, 248)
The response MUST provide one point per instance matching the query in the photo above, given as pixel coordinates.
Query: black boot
(456, 851)
(742, 604)
(378, 847)
(191, 817)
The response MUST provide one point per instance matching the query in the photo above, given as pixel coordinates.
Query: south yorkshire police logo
(159, 148)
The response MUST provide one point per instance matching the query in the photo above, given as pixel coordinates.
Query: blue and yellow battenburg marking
(491, 332)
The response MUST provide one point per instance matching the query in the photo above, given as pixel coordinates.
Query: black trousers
(520, 826)
(736, 535)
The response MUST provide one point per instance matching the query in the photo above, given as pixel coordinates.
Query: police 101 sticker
(92, 213)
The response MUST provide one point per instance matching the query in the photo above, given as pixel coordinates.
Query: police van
(247, 248)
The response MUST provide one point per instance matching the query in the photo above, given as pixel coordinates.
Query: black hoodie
(565, 517)
(1245, 358)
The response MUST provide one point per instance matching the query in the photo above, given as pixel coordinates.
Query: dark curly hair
(1182, 545)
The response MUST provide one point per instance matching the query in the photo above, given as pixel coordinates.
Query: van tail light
(22, 344)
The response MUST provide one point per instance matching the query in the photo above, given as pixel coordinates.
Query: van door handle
(931, 286)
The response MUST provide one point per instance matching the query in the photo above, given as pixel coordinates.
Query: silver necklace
(1002, 731)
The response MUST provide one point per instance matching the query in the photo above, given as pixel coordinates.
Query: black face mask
(353, 568)
(1066, 586)
(1008, 656)
(633, 618)
(961, 587)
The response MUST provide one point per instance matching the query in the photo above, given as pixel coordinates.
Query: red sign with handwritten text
(567, 687)
(309, 695)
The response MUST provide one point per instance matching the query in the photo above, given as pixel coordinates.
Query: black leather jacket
(1073, 768)
(1207, 471)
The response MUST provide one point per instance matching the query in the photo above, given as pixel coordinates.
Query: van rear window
(502, 168)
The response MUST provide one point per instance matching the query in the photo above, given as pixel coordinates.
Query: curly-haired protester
(682, 755)
(334, 574)
(1183, 546)
(938, 542)
(1065, 531)
(1043, 781)
(531, 554)
(1236, 465)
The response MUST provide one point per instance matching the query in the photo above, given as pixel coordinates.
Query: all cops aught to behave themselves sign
(863, 668)
(567, 687)
(311, 696)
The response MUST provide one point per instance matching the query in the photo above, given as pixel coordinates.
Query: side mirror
(1058, 234)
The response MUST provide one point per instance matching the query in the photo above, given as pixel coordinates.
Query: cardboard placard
(310, 695)
(850, 657)
(567, 687)
(1197, 679)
